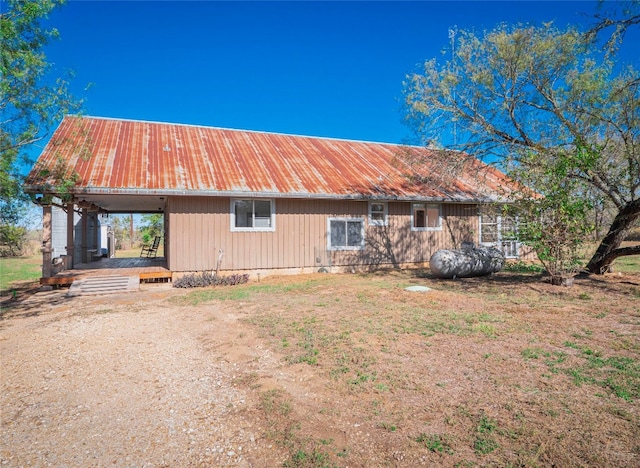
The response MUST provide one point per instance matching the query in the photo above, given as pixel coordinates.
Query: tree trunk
(131, 231)
(609, 250)
(559, 280)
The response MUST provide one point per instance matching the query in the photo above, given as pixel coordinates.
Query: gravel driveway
(127, 380)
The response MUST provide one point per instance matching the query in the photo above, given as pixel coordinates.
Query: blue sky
(331, 69)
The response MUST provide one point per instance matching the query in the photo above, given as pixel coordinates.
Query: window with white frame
(346, 234)
(252, 215)
(377, 213)
(489, 233)
(426, 217)
(499, 229)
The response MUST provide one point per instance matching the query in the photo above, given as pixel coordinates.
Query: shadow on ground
(29, 301)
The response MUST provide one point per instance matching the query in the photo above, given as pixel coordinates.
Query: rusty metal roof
(114, 156)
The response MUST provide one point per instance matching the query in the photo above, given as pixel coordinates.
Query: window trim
(385, 214)
(232, 212)
(426, 205)
(345, 220)
(501, 239)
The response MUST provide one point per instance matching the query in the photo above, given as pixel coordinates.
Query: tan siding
(462, 224)
(192, 256)
(397, 243)
(282, 227)
(197, 229)
(202, 227)
(167, 245)
(193, 223)
(218, 228)
(199, 226)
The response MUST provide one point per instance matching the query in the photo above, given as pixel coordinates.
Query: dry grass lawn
(499, 371)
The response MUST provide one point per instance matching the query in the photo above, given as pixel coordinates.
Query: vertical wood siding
(197, 227)
(397, 243)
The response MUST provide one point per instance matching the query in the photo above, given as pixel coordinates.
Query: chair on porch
(150, 250)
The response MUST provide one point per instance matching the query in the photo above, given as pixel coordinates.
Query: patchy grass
(499, 371)
(283, 428)
(14, 271)
(629, 264)
(435, 443)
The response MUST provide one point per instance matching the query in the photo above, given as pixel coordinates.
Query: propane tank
(466, 262)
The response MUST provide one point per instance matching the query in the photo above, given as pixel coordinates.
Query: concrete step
(95, 285)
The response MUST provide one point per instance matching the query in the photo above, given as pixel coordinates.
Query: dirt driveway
(126, 381)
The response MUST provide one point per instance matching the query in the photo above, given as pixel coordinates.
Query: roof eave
(253, 194)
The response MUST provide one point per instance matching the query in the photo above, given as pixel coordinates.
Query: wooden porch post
(70, 230)
(94, 235)
(94, 241)
(46, 241)
(83, 241)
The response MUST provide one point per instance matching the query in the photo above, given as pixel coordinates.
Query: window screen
(346, 234)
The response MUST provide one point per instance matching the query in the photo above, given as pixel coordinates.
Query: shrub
(201, 280)
(523, 267)
(12, 240)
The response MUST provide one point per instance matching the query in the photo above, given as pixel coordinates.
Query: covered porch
(82, 256)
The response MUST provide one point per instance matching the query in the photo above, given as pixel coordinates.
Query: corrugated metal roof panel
(124, 156)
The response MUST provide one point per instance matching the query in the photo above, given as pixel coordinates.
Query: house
(270, 201)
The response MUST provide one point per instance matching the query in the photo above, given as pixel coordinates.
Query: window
(425, 217)
(489, 229)
(346, 234)
(252, 215)
(377, 214)
(501, 231)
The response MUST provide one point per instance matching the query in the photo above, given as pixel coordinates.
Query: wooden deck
(144, 268)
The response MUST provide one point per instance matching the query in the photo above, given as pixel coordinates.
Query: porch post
(46, 241)
(70, 229)
(94, 241)
(83, 241)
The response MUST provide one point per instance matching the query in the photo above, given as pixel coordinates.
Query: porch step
(94, 285)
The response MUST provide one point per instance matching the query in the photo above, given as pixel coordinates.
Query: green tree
(152, 226)
(557, 224)
(31, 100)
(539, 99)
(122, 231)
(12, 240)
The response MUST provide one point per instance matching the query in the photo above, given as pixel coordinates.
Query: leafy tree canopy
(613, 19)
(31, 101)
(541, 100)
(152, 226)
